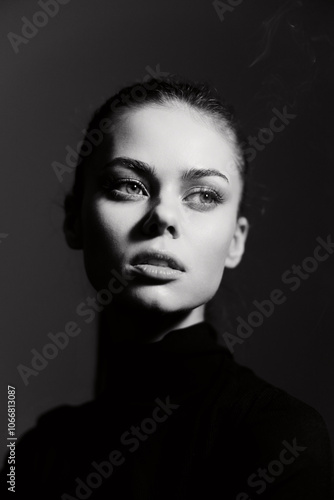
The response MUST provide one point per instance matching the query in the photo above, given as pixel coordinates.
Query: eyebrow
(198, 173)
(190, 174)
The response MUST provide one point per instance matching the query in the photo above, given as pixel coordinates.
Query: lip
(157, 264)
(150, 256)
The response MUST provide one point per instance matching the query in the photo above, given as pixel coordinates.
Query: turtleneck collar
(181, 365)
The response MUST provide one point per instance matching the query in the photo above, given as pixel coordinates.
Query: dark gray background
(265, 54)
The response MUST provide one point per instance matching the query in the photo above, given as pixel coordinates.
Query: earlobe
(72, 223)
(237, 245)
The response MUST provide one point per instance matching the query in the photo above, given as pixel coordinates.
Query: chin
(162, 299)
(156, 299)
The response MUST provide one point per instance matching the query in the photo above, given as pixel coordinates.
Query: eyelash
(110, 187)
(217, 197)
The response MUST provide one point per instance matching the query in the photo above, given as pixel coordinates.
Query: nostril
(172, 231)
(157, 222)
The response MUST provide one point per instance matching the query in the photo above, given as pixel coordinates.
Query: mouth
(157, 265)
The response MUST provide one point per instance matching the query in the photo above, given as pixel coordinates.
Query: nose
(162, 218)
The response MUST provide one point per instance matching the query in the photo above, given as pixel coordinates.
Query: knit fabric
(179, 419)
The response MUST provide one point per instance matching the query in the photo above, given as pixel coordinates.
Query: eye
(125, 188)
(131, 187)
(204, 199)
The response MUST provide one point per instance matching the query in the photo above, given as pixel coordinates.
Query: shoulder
(275, 433)
(45, 454)
(252, 401)
(54, 432)
(58, 426)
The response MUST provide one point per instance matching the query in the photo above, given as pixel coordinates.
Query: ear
(72, 223)
(237, 245)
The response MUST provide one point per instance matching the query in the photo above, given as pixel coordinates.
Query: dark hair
(198, 96)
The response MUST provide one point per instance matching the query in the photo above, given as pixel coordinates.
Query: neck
(138, 326)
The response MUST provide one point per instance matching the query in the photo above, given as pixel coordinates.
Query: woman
(158, 208)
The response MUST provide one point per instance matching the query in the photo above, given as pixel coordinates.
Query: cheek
(209, 261)
(104, 229)
(104, 239)
(212, 251)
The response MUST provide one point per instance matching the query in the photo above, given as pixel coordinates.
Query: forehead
(173, 134)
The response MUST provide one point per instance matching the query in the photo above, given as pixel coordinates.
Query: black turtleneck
(182, 364)
(178, 418)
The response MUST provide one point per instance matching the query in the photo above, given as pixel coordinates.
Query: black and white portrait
(166, 249)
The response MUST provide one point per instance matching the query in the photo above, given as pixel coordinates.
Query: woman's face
(160, 207)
